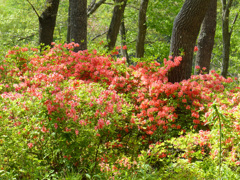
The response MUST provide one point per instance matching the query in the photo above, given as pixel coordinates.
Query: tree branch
(33, 8)
(94, 7)
(223, 4)
(22, 38)
(133, 7)
(229, 4)
(99, 35)
(92, 4)
(235, 19)
(109, 3)
(127, 6)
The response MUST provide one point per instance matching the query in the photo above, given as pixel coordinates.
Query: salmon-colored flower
(195, 49)
(30, 145)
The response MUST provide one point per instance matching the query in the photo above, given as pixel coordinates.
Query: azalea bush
(80, 112)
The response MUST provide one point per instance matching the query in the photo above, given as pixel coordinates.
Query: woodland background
(20, 25)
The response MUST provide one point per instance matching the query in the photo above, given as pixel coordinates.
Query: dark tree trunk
(69, 26)
(78, 23)
(206, 38)
(91, 9)
(47, 22)
(142, 29)
(185, 31)
(115, 23)
(123, 40)
(226, 36)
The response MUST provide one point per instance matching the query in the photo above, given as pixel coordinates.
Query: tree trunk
(226, 36)
(206, 38)
(123, 40)
(78, 23)
(115, 23)
(185, 31)
(69, 26)
(47, 22)
(142, 28)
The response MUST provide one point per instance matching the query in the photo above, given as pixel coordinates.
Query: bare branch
(127, 6)
(109, 3)
(235, 19)
(94, 7)
(99, 35)
(226, 8)
(92, 4)
(132, 41)
(23, 38)
(33, 8)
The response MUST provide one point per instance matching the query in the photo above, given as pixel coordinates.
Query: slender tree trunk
(142, 29)
(206, 38)
(78, 23)
(123, 40)
(115, 23)
(226, 36)
(47, 22)
(69, 26)
(185, 31)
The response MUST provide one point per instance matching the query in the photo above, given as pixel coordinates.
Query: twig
(92, 4)
(94, 7)
(127, 6)
(235, 19)
(99, 35)
(33, 8)
(22, 38)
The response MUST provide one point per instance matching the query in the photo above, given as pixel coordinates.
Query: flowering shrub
(90, 113)
(204, 142)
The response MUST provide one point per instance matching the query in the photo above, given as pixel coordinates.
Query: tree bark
(69, 26)
(226, 35)
(115, 23)
(47, 22)
(185, 31)
(142, 29)
(123, 40)
(206, 38)
(78, 23)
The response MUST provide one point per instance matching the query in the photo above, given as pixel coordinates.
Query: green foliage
(16, 30)
(160, 23)
(67, 114)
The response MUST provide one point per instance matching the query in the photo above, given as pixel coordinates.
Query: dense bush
(66, 112)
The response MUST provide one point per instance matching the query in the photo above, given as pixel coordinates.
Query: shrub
(82, 112)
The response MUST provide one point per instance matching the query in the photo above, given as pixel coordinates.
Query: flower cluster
(74, 108)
